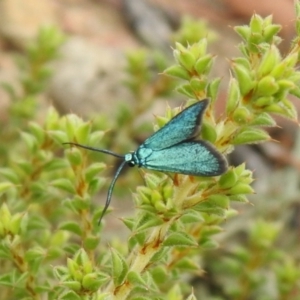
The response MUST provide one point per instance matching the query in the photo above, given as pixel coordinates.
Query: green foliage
(50, 241)
(33, 78)
(191, 31)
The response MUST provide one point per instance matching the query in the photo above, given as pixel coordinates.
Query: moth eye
(131, 164)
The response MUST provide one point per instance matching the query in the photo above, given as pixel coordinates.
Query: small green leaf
(199, 47)
(25, 165)
(119, 267)
(64, 184)
(208, 132)
(73, 285)
(269, 60)
(146, 221)
(180, 239)
(243, 31)
(153, 181)
(144, 297)
(95, 185)
(241, 188)
(15, 223)
(209, 207)
(82, 258)
(228, 179)
(211, 229)
(55, 252)
(30, 141)
(184, 57)
(10, 175)
(267, 86)
(270, 31)
(250, 135)
(37, 131)
(93, 281)
(264, 101)
(35, 253)
(191, 297)
(4, 186)
(233, 97)
(244, 78)
(242, 115)
(295, 91)
(60, 272)
(209, 245)
(70, 295)
(186, 90)
(204, 64)
(91, 242)
(94, 170)
(187, 264)
(104, 296)
(9, 89)
(83, 132)
(198, 85)
(219, 200)
(239, 198)
(213, 89)
(95, 137)
(72, 227)
(175, 293)
(58, 136)
(129, 223)
(136, 279)
(177, 71)
(256, 23)
(290, 109)
(74, 155)
(37, 222)
(55, 164)
(5, 215)
(139, 238)
(160, 273)
(191, 216)
(161, 255)
(77, 203)
(8, 279)
(263, 119)
(72, 122)
(74, 269)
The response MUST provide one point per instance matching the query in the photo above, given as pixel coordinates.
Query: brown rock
(20, 20)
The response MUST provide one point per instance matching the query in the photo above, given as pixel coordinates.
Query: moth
(173, 148)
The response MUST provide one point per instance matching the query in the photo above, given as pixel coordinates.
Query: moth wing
(182, 127)
(197, 158)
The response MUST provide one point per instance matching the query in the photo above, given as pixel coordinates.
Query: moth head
(129, 159)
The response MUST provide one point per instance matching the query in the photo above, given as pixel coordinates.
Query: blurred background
(100, 32)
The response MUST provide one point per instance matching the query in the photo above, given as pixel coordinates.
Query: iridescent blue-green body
(173, 148)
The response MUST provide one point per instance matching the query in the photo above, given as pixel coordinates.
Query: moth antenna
(95, 149)
(110, 190)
